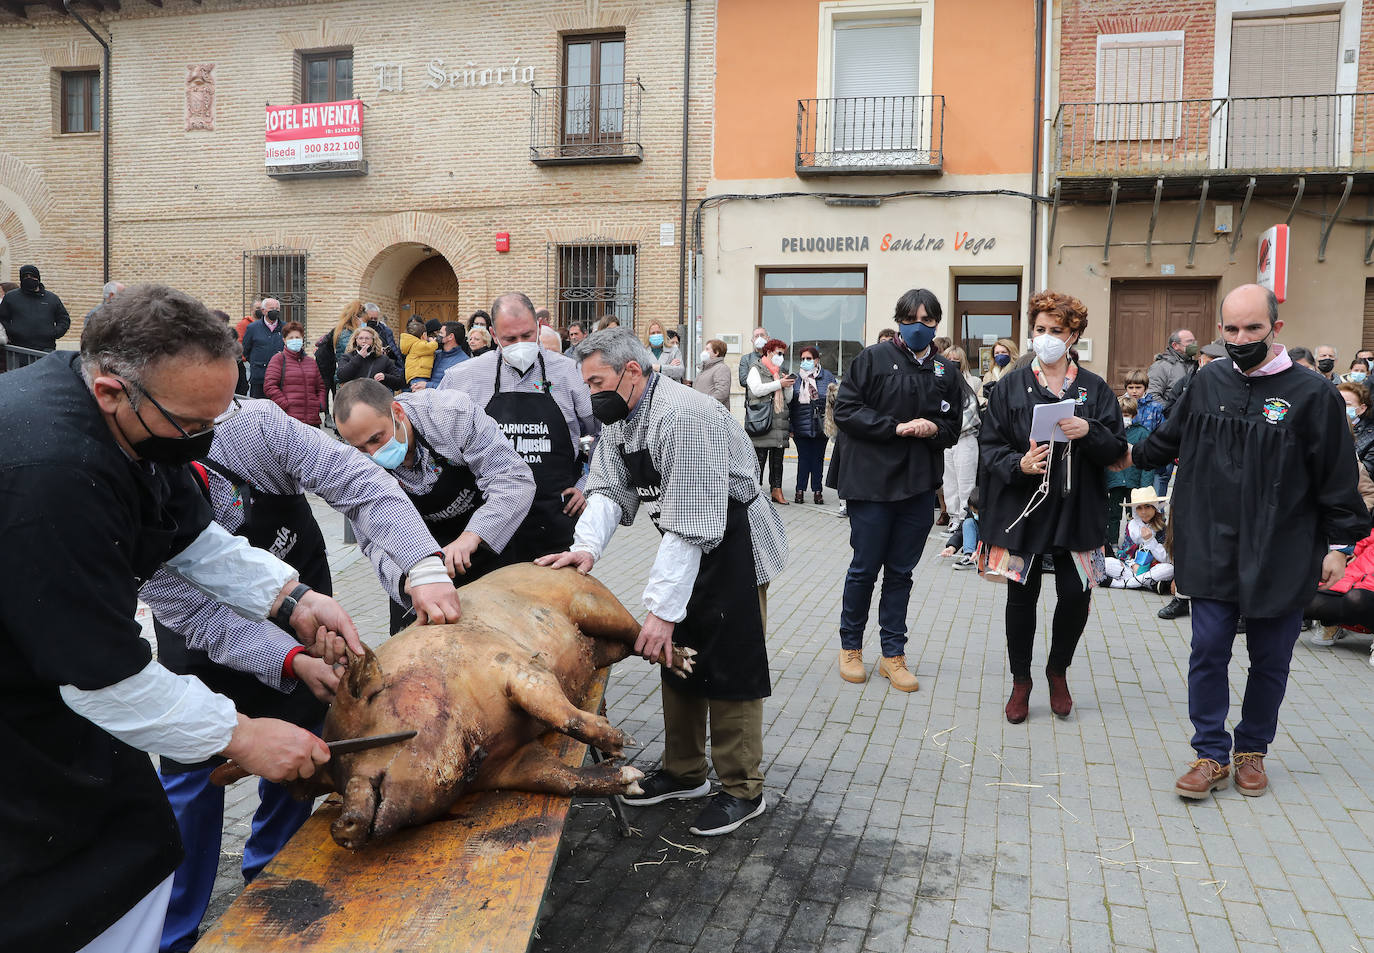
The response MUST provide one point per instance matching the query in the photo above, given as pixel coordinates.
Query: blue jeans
(1161, 479)
(970, 528)
(199, 809)
(1270, 643)
(887, 537)
(810, 461)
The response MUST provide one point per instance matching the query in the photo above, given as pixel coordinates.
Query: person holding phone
(1048, 498)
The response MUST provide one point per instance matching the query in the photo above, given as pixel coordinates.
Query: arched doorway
(430, 291)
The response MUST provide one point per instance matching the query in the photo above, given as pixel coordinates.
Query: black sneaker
(1176, 609)
(662, 786)
(725, 813)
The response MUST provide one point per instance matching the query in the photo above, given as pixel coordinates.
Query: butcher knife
(230, 771)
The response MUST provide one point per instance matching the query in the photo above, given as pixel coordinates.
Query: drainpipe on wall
(1031, 287)
(682, 224)
(104, 141)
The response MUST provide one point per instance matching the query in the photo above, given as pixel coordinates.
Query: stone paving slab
(926, 822)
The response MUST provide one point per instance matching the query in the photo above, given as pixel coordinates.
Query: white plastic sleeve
(672, 578)
(428, 570)
(596, 525)
(159, 712)
(226, 568)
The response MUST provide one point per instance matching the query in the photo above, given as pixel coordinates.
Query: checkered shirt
(705, 459)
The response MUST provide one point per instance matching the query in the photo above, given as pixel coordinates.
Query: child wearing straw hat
(1142, 563)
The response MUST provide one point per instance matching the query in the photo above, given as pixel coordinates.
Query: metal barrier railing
(858, 133)
(17, 357)
(600, 121)
(1325, 132)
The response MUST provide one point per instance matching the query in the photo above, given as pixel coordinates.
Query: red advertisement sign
(315, 132)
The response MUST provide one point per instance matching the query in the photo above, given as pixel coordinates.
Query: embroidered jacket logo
(1275, 409)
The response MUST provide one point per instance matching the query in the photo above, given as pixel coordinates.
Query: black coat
(85, 828)
(34, 319)
(1076, 522)
(356, 367)
(260, 343)
(885, 387)
(1266, 479)
(808, 420)
(1364, 444)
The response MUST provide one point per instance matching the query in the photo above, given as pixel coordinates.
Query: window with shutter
(1367, 337)
(1139, 86)
(875, 114)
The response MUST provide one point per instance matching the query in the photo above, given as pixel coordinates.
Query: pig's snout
(353, 827)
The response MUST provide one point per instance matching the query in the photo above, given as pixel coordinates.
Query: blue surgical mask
(655, 340)
(1352, 413)
(808, 365)
(295, 344)
(1356, 377)
(917, 336)
(1001, 360)
(390, 456)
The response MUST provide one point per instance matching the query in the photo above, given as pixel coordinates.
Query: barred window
(593, 281)
(276, 272)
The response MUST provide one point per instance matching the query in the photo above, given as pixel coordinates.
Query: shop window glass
(825, 309)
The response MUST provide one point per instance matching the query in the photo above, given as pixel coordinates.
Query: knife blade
(231, 771)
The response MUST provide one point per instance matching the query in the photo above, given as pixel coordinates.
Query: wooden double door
(1145, 313)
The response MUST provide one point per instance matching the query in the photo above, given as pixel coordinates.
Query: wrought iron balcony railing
(1252, 134)
(870, 135)
(596, 123)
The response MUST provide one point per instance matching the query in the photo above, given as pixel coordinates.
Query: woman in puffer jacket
(293, 380)
(806, 415)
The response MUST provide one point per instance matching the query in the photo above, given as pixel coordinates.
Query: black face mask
(257, 312)
(1249, 356)
(169, 451)
(1325, 365)
(274, 315)
(608, 406)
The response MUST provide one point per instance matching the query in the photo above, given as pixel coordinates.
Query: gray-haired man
(689, 462)
(372, 314)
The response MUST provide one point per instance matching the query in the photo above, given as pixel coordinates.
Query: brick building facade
(557, 123)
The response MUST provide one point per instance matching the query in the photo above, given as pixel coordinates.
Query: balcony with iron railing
(572, 125)
(871, 135)
(1267, 138)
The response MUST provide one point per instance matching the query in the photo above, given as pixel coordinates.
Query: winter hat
(26, 271)
(433, 325)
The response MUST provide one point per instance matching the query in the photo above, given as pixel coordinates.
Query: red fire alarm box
(503, 241)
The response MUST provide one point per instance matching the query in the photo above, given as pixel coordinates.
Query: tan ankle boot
(894, 670)
(852, 667)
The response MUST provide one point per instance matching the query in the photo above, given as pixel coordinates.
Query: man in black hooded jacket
(31, 315)
(1267, 491)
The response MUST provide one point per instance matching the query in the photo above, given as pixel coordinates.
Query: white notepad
(1045, 419)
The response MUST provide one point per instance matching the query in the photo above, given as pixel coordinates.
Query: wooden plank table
(472, 881)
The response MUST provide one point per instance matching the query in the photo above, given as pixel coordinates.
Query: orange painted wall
(766, 61)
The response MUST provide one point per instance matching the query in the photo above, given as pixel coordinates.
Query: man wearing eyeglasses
(95, 496)
(899, 407)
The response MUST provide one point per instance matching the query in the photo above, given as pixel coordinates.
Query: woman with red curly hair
(1048, 498)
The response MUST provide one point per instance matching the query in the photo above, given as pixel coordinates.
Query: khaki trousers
(736, 736)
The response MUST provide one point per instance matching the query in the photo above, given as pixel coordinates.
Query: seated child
(964, 536)
(1143, 562)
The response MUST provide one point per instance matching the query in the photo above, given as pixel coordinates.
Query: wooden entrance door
(430, 291)
(1145, 313)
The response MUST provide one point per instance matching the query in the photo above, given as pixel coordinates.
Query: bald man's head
(1248, 300)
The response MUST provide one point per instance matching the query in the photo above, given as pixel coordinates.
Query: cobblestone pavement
(926, 822)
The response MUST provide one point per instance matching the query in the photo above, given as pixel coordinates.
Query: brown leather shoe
(1061, 702)
(1018, 705)
(778, 498)
(852, 668)
(1204, 776)
(894, 669)
(1250, 777)
(819, 497)
(799, 498)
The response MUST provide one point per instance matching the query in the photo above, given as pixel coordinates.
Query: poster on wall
(315, 132)
(984, 359)
(1272, 266)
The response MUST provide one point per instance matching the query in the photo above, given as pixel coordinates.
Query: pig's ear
(363, 671)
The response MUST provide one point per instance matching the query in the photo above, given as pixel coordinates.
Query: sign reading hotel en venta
(315, 132)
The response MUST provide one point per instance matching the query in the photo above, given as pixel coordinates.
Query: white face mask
(1126, 419)
(520, 355)
(706, 356)
(1049, 348)
(759, 343)
(780, 360)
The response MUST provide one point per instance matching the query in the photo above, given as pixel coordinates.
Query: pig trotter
(683, 661)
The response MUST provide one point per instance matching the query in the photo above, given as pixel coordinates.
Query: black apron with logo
(723, 621)
(447, 509)
(534, 424)
(283, 525)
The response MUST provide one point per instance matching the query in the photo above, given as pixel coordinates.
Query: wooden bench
(472, 881)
